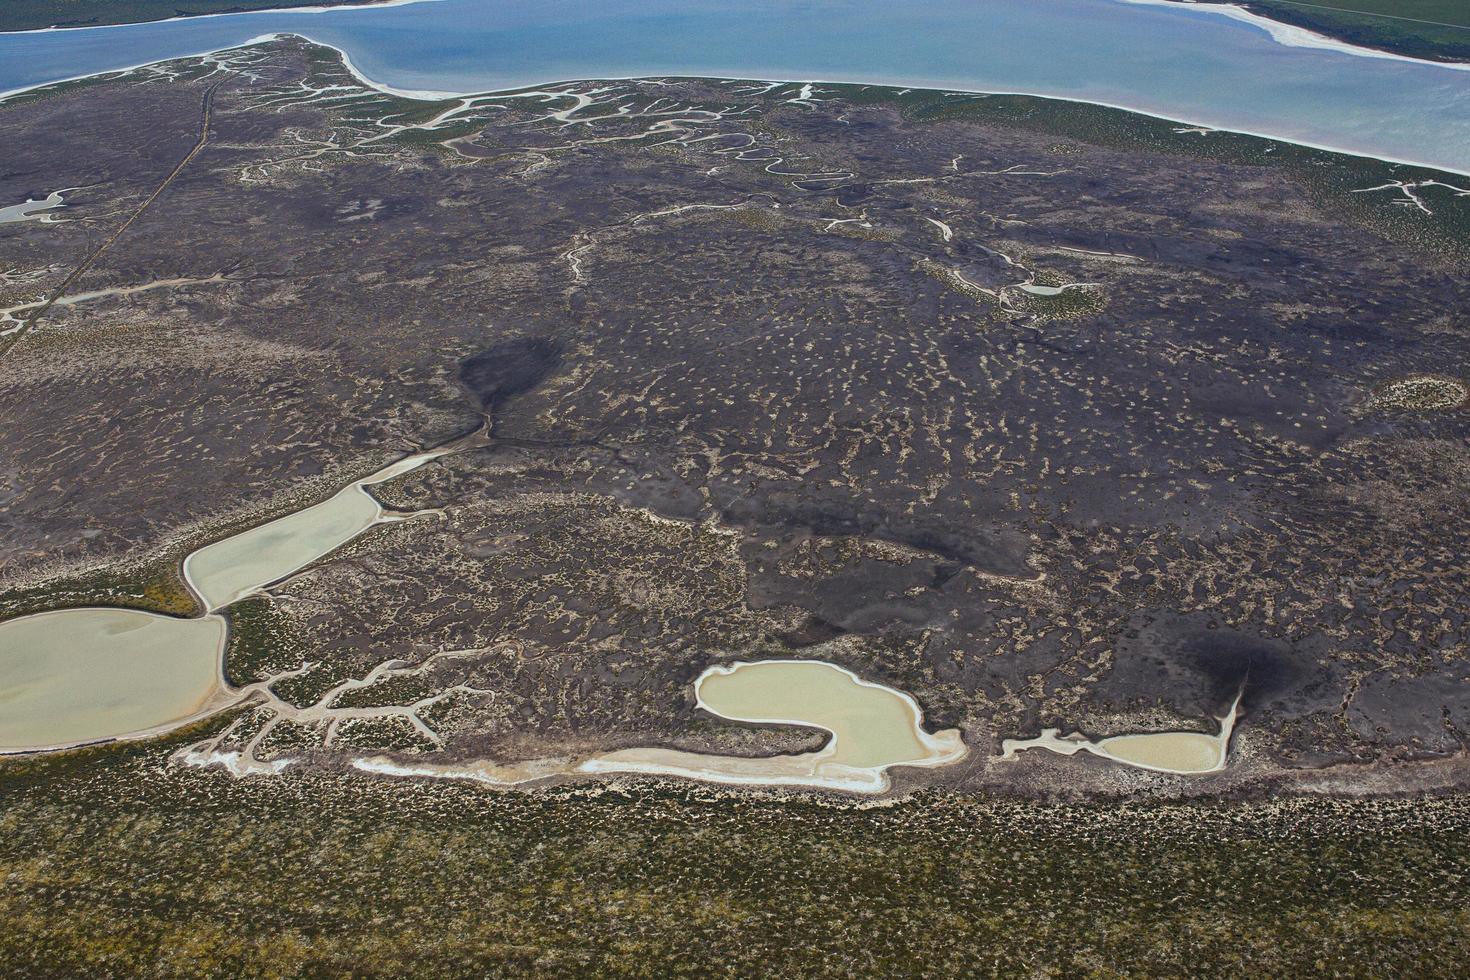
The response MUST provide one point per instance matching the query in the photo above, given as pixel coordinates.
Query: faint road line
(1374, 13)
(69, 281)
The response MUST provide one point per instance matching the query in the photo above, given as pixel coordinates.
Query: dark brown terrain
(762, 382)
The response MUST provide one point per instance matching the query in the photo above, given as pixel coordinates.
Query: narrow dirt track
(66, 284)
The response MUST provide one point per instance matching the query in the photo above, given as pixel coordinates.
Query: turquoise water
(1190, 64)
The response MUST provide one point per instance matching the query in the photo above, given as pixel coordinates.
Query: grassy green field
(30, 15)
(1438, 29)
(115, 863)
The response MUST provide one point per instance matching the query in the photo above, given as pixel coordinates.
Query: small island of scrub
(1421, 393)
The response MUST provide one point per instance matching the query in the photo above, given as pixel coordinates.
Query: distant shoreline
(421, 95)
(1324, 19)
(12, 21)
(1319, 18)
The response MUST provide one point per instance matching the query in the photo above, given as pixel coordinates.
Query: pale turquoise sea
(1190, 64)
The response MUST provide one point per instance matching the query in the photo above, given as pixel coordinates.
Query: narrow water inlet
(1036, 290)
(229, 570)
(1181, 753)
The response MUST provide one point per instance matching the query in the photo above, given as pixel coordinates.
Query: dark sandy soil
(763, 382)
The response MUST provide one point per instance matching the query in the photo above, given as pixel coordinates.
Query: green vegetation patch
(1069, 304)
(157, 586)
(1435, 29)
(261, 642)
(118, 863)
(1421, 393)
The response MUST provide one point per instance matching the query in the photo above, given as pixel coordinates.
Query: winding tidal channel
(1212, 66)
(73, 676)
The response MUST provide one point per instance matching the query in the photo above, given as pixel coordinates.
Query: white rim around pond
(873, 728)
(74, 676)
(34, 209)
(1178, 753)
(229, 570)
(69, 677)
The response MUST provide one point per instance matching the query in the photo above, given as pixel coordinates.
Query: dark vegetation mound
(508, 369)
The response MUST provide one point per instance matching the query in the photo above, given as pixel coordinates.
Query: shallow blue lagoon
(1192, 64)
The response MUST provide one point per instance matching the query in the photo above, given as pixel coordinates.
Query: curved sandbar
(1182, 753)
(73, 676)
(873, 728)
(478, 771)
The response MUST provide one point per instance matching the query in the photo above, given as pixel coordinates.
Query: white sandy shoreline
(429, 95)
(435, 96)
(1288, 36)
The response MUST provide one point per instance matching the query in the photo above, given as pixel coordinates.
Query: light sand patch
(1035, 290)
(479, 771)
